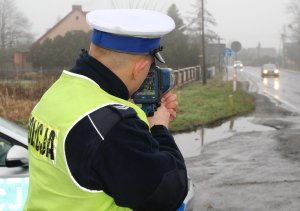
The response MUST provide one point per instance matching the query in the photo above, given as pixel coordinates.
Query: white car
(269, 70)
(14, 174)
(13, 166)
(238, 64)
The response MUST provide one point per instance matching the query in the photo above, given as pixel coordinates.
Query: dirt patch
(266, 108)
(289, 144)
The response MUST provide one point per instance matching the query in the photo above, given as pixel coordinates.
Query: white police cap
(130, 30)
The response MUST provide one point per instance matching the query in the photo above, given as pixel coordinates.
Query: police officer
(90, 147)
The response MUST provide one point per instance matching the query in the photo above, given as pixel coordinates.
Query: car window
(4, 148)
(270, 66)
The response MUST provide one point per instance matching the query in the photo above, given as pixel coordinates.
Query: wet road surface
(253, 162)
(284, 89)
(191, 144)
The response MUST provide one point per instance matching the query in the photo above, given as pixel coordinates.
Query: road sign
(228, 52)
(236, 46)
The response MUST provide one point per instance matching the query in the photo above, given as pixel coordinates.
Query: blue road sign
(228, 52)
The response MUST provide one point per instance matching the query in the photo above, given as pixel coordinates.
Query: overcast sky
(247, 21)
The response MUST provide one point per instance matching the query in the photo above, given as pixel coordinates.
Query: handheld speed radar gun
(158, 81)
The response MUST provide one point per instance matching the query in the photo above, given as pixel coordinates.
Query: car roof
(14, 131)
(270, 65)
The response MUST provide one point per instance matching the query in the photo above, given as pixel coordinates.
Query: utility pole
(283, 56)
(203, 43)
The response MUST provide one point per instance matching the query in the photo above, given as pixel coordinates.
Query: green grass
(208, 104)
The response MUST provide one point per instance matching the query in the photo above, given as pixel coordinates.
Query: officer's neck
(123, 70)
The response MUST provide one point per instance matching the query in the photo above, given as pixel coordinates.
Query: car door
(13, 180)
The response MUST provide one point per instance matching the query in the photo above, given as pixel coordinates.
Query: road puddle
(191, 143)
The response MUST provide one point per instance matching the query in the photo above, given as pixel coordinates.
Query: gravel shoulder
(251, 170)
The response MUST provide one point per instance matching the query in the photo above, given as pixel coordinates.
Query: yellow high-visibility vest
(51, 185)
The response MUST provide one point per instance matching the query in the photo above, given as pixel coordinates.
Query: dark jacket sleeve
(140, 169)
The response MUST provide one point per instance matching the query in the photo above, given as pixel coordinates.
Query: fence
(186, 75)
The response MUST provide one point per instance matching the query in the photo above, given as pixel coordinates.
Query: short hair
(116, 58)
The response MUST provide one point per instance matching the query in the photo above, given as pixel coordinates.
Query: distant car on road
(269, 70)
(14, 174)
(238, 65)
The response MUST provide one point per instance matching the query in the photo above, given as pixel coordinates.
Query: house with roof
(75, 20)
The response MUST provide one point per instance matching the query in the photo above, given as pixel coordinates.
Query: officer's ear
(141, 67)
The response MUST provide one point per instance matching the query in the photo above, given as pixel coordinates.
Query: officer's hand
(160, 117)
(169, 100)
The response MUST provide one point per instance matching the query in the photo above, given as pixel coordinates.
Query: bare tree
(194, 22)
(293, 10)
(139, 4)
(13, 25)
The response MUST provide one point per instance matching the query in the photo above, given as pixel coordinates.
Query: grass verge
(209, 104)
(18, 98)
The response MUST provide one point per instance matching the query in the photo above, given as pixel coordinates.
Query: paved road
(284, 89)
(253, 169)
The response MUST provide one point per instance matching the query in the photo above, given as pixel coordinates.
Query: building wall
(20, 61)
(261, 52)
(75, 20)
